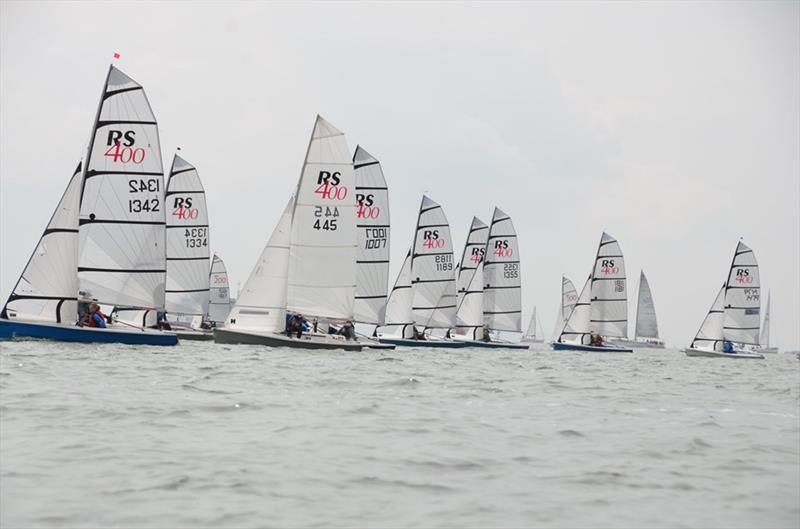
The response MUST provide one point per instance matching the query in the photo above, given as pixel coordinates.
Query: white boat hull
(638, 344)
(719, 354)
(273, 339)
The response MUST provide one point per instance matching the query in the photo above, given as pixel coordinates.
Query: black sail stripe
(485, 264)
(365, 164)
(192, 226)
(83, 222)
(188, 258)
(358, 188)
(112, 93)
(168, 193)
(121, 270)
(91, 173)
(190, 290)
(181, 171)
(123, 122)
(421, 226)
(371, 297)
(503, 312)
(373, 262)
(373, 226)
(59, 230)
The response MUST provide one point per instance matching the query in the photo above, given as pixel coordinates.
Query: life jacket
(93, 323)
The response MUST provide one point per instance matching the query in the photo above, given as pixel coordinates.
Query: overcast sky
(673, 126)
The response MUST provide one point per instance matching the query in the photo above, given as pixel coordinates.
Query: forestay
(46, 290)
(742, 298)
(372, 217)
(472, 256)
(433, 280)
(323, 244)
(469, 319)
(399, 317)
(219, 295)
(609, 297)
(577, 326)
(261, 305)
(646, 324)
(502, 295)
(709, 335)
(121, 235)
(188, 254)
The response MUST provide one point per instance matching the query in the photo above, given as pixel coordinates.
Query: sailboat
(219, 294)
(105, 240)
(732, 321)
(187, 291)
(372, 261)
(493, 299)
(308, 266)
(601, 310)
(646, 330)
(765, 348)
(533, 334)
(424, 294)
(569, 296)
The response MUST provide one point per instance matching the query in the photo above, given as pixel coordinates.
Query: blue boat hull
(558, 346)
(496, 345)
(11, 330)
(441, 344)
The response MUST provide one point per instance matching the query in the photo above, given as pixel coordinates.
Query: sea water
(209, 435)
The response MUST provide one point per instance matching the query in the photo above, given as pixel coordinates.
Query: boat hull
(719, 354)
(441, 344)
(496, 345)
(637, 344)
(19, 330)
(192, 335)
(270, 339)
(768, 350)
(559, 346)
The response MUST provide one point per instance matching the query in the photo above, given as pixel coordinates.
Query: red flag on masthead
(116, 55)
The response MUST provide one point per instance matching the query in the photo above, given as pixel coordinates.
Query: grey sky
(673, 126)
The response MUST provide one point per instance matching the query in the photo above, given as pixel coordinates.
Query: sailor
(727, 346)
(96, 316)
(161, 321)
(348, 330)
(84, 304)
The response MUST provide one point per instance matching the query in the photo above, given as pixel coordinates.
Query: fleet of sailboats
(123, 240)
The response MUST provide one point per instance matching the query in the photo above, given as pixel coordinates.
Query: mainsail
(433, 280)
(121, 228)
(322, 250)
(646, 324)
(569, 296)
(609, 294)
(472, 256)
(399, 317)
(261, 305)
(502, 295)
(46, 290)
(187, 290)
(219, 292)
(372, 217)
(710, 333)
(742, 298)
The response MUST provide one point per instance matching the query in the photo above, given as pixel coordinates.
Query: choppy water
(222, 436)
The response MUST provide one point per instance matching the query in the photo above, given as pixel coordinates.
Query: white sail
(742, 298)
(502, 295)
(219, 293)
(709, 336)
(372, 217)
(46, 290)
(322, 250)
(121, 235)
(646, 324)
(569, 296)
(188, 256)
(765, 327)
(609, 297)
(261, 304)
(399, 317)
(472, 256)
(433, 280)
(530, 333)
(578, 324)
(469, 319)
